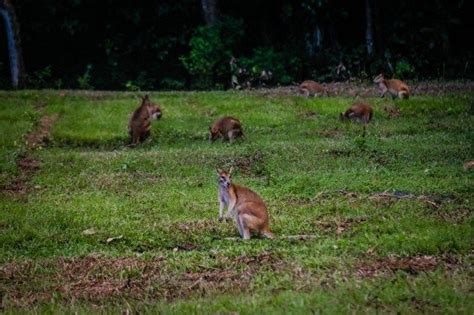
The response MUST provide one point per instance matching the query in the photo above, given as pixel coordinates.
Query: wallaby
(312, 88)
(228, 128)
(140, 122)
(248, 209)
(359, 112)
(396, 88)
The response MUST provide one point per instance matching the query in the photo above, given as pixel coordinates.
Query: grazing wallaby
(359, 112)
(140, 122)
(245, 205)
(227, 127)
(396, 88)
(312, 88)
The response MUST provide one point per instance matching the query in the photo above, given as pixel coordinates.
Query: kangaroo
(244, 205)
(396, 88)
(228, 128)
(312, 88)
(140, 122)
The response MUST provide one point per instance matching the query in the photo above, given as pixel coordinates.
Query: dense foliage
(167, 44)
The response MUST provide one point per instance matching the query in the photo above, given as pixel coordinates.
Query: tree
(210, 10)
(12, 30)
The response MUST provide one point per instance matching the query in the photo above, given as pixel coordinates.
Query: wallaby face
(228, 128)
(139, 125)
(247, 208)
(312, 88)
(396, 88)
(359, 112)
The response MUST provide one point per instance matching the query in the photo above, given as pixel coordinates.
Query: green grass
(162, 197)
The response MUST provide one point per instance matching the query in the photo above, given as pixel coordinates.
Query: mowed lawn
(102, 227)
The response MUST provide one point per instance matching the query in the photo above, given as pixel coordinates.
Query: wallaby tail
(404, 94)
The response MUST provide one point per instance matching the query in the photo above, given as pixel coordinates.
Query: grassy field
(96, 226)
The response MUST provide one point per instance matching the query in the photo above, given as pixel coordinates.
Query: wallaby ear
(218, 171)
(231, 169)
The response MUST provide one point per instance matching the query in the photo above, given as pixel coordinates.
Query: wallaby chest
(224, 195)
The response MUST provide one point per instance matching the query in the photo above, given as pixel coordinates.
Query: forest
(209, 44)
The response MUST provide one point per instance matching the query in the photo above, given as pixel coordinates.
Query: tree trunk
(379, 36)
(15, 55)
(210, 10)
(369, 31)
(314, 41)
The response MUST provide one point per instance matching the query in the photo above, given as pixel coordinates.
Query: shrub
(211, 50)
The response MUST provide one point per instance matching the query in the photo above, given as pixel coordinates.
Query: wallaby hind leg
(145, 135)
(240, 226)
(233, 134)
(244, 226)
(135, 139)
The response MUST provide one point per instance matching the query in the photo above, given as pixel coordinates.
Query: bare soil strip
(99, 280)
(412, 264)
(27, 164)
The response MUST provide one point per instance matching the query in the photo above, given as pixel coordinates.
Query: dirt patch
(338, 226)
(411, 264)
(252, 164)
(328, 133)
(391, 110)
(339, 153)
(434, 201)
(310, 115)
(41, 135)
(100, 279)
(457, 215)
(27, 165)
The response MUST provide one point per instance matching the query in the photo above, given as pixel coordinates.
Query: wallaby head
(154, 110)
(379, 79)
(224, 178)
(213, 133)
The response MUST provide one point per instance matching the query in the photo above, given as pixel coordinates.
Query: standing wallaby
(396, 88)
(140, 122)
(312, 88)
(245, 205)
(228, 128)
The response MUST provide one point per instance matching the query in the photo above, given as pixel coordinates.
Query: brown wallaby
(396, 88)
(312, 88)
(228, 128)
(140, 122)
(359, 112)
(248, 209)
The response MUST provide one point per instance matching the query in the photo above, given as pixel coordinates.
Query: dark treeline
(202, 44)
